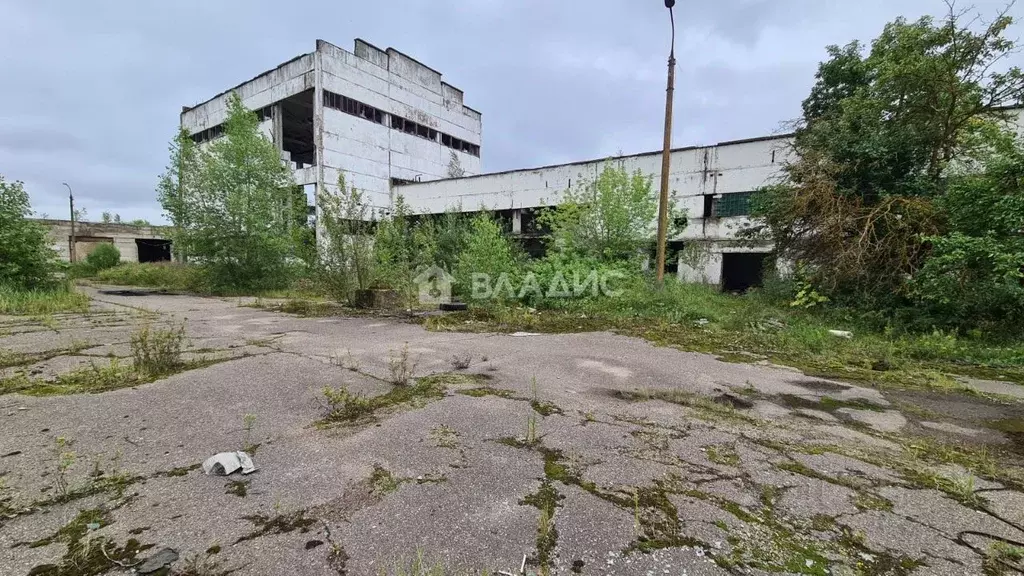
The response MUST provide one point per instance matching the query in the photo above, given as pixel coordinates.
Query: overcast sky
(91, 91)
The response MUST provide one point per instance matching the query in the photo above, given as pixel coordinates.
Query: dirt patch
(820, 385)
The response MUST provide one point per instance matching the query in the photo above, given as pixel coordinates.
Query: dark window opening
(709, 206)
(743, 271)
(265, 113)
(210, 133)
(353, 107)
(151, 250)
(397, 122)
(446, 140)
(297, 127)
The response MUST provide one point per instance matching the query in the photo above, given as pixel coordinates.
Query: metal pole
(666, 156)
(71, 202)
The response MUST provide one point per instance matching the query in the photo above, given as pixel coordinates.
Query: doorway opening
(742, 271)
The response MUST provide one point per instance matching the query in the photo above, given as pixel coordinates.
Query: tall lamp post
(71, 202)
(666, 155)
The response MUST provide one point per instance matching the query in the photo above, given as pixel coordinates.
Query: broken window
(446, 140)
(397, 122)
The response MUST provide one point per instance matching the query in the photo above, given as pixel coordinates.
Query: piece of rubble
(163, 558)
(841, 334)
(227, 463)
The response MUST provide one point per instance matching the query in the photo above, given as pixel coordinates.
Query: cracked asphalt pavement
(588, 453)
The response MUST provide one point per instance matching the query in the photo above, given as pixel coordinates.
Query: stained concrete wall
(696, 172)
(90, 234)
(371, 154)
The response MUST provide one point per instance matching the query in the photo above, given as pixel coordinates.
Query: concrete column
(278, 119)
(517, 221)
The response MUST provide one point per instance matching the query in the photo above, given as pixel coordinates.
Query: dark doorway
(153, 250)
(742, 271)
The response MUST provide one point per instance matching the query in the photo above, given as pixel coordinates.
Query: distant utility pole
(71, 201)
(666, 155)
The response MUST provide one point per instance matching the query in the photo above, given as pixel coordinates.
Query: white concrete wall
(741, 166)
(370, 154)
(275, 85)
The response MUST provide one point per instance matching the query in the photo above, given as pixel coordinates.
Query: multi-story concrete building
(392, 126)
(379, 116)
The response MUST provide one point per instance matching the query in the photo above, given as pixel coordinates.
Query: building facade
(378, 116)
(713, 184)
(136, 243)
(393, 127)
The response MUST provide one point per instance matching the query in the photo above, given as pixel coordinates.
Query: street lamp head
(670, 3)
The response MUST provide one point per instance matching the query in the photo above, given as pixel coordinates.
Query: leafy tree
(874, 148)
(395, 250)
(104, 256)
(974, 274)
(489, 251)
(178, 188)
(231, 204)
(109, 218)
(135, 222)
(26, 258)
(612, 218)
(346, 260)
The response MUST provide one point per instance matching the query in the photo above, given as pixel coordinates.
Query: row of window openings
(264, 114)
(356, 108)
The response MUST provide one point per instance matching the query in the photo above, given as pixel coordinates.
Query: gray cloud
(93, 89)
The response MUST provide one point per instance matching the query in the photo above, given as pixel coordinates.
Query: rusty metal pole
(71, 202)
(666, 155)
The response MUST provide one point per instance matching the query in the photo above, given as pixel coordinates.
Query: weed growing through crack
(461, 361)
(445, 437)
(157, 351)
(401, 366)
(1002, 559)
(383, 482)
(248, 422)
(348, 361)
(65, 460)
(531, 429)
(344, 405)
(724, 454)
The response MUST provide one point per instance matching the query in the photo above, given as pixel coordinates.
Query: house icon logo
(434, 286)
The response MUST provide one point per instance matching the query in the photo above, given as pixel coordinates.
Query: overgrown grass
(758, 326)
(191, 278)
(42, 302)
(156, 353)
(168, 275)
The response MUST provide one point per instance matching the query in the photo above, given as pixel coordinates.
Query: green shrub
(489, 252)
(157, 351)
(104, 256)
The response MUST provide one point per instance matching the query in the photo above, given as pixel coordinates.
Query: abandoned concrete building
(379, 116)
(393, 127)
(136, 243)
